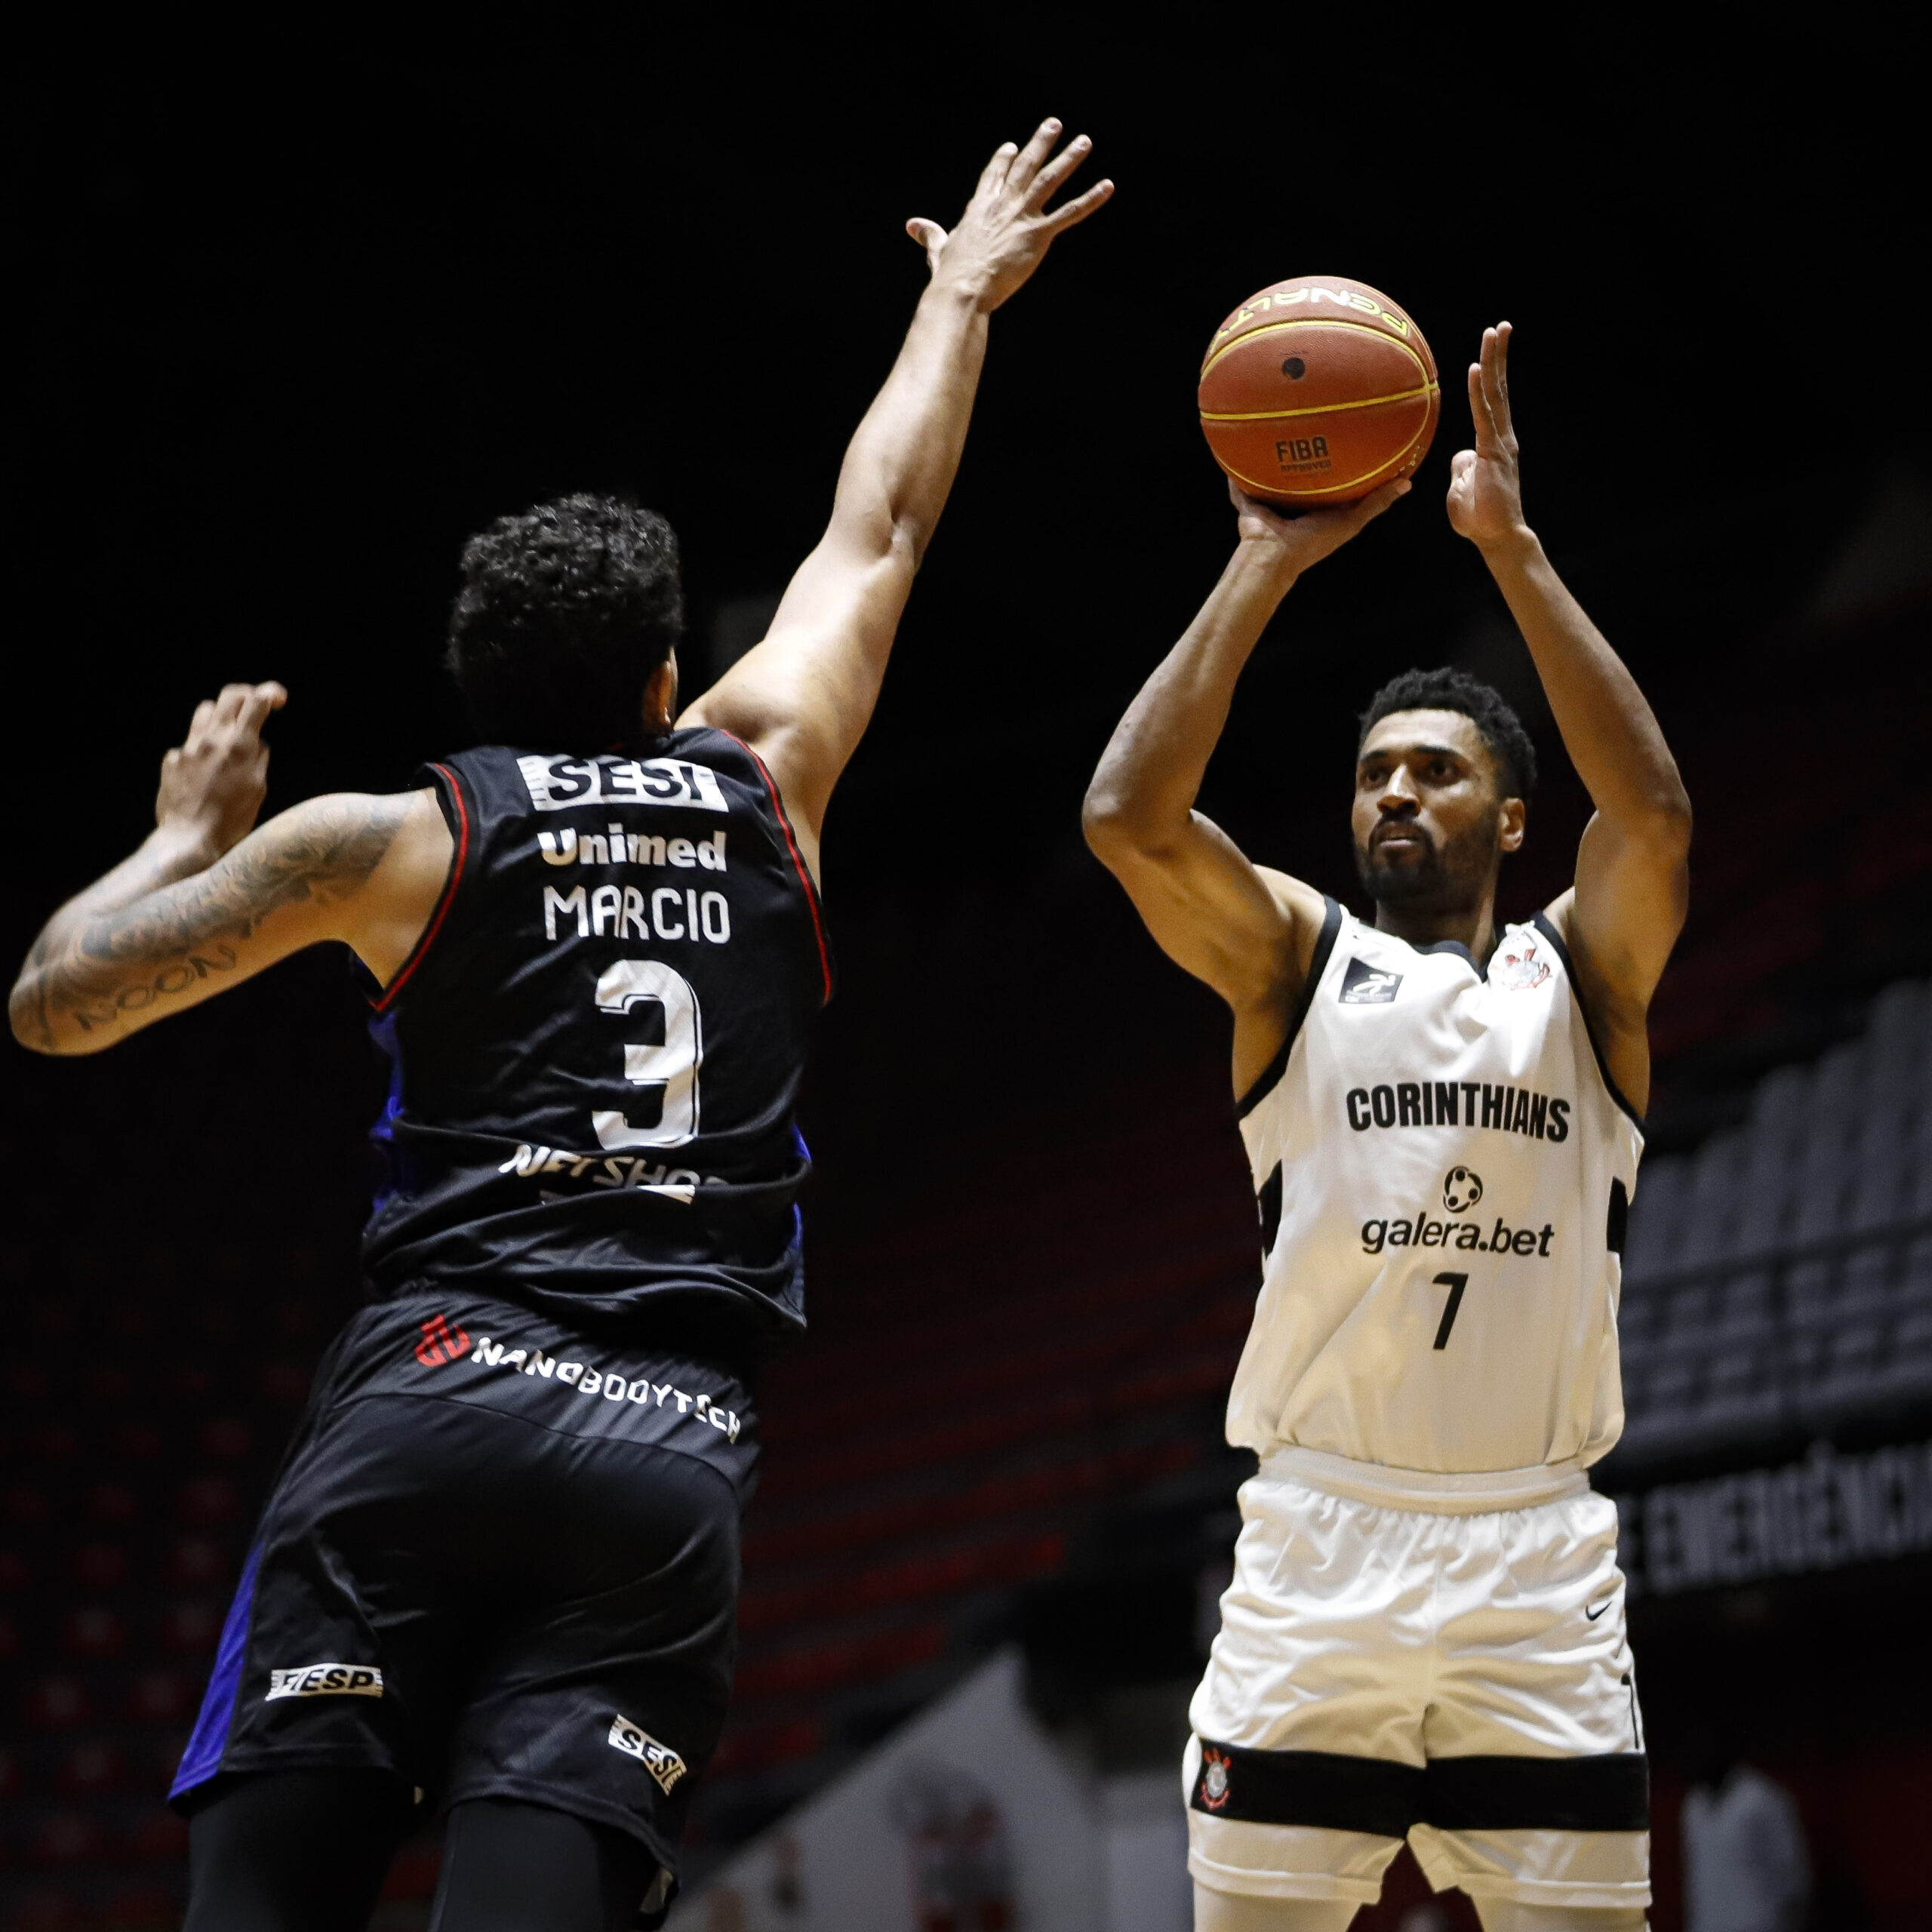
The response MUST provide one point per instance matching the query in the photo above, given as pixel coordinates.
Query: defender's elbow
(30, 1024)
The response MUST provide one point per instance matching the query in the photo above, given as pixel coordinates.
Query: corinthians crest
(1214, 1769)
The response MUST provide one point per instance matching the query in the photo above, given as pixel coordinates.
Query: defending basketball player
(498, 1572)
(1425, 1635)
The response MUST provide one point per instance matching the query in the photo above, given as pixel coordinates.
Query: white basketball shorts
(1456, 1674)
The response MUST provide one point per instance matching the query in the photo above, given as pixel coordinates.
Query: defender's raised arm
(1622, 916)
(204, 902)
(1248, 932)
(803, 698)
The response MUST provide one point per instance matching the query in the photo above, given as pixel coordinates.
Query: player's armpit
(1248, 932)
(1619, 922)
(324, 870)
(802, 698)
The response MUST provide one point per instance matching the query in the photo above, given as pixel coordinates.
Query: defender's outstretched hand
(213, 785)
(1294, 543)
(1006, 231)
(1485, 485)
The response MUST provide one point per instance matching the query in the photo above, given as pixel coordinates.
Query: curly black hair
(564, 613)
(1450, 690)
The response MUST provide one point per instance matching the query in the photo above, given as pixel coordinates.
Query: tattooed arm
(205, 903)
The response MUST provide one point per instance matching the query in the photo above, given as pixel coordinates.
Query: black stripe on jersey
(1269, 1201)
(449, 796)
(1331, 925)
(1617, 1223)
(1334, 1791)
(1542, 925)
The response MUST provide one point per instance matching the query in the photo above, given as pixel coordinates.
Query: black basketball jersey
(597, 1043)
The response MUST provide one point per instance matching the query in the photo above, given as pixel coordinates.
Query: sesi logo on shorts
(325, 1680)
(660, 1760)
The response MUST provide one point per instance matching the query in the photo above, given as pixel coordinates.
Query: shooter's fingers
(1372, 506)
(1497, 372)
(1480, 412)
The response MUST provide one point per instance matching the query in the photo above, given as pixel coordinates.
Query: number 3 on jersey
(670, 1067)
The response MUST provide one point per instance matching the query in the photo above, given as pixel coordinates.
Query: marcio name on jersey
(1459, 1103)
(625, 912)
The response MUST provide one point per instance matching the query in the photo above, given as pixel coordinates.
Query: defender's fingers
(1077, 210)
(1029, 161)
(929, 235)
(263, 699)
(1050, 177)
(994, 173)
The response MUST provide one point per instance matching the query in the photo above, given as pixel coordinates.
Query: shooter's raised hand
(1007, 228)
(1485, 485)
(212, 785)
(1292, 544)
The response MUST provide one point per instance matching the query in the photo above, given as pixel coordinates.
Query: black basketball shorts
(500, 1561)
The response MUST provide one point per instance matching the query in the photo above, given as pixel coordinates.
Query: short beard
(1450, 879)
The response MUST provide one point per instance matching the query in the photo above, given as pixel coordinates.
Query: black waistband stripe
(1337, 1792)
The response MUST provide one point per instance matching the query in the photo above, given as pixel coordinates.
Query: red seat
(57, 1703)
(90, 1769)
(94, 1631)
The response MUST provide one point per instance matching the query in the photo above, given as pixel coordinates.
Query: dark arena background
(278, 350)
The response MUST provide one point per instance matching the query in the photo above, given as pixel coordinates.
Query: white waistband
(1469, 1495)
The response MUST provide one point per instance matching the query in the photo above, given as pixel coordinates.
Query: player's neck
(1471, 926)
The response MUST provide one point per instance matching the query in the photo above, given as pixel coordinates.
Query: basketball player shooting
(1425, 1635)
(498, 1571)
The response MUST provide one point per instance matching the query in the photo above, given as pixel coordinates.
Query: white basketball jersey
(1444, 1169)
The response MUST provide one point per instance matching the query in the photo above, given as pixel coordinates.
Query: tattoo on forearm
(118, 962)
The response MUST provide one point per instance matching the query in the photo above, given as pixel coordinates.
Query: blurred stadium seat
(1778, 1281)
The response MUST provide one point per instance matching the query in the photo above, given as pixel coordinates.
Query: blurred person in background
(1747, 1865)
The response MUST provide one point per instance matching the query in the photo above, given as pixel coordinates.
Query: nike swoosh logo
(1591, 1616)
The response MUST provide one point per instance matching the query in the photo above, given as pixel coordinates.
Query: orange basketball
(1316, 390)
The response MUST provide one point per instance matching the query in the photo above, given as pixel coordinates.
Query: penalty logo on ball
(1462, 1188)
